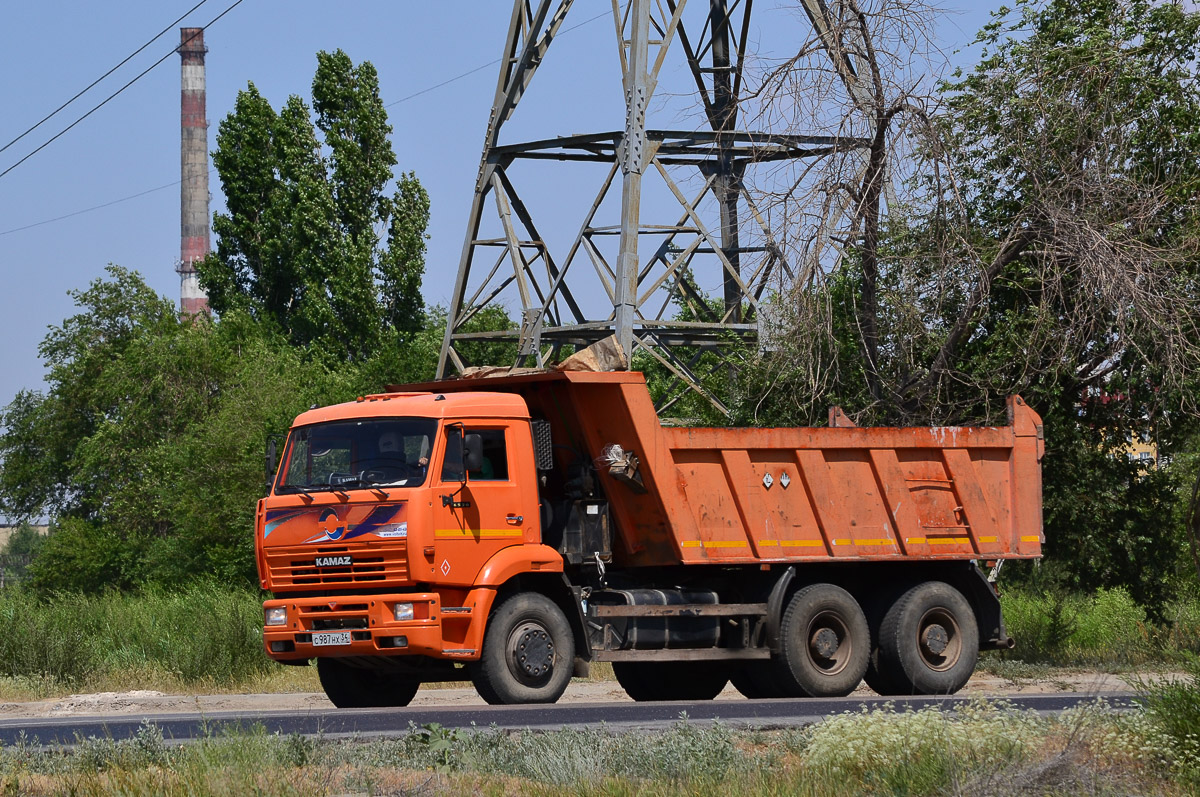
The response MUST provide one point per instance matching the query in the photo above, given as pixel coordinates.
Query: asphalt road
(54, 731)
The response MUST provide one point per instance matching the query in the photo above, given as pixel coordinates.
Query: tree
(146, 449)
(1044, 229)
(311, 243)
(1045, 241)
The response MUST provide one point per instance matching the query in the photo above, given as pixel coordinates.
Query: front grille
(379, 564)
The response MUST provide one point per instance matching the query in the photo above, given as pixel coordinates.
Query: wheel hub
(935, 639)
(824, 643)
(533, 652)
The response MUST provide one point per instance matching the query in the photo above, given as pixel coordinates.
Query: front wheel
(528, 652)
(348, 686)
(929, 640)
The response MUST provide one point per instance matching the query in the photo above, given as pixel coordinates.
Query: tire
(348, 686)
(824, 641)
(929, 640)
(652, 681)
(528, 652)
(757, 680)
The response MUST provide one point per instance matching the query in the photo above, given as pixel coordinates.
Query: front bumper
(434, 631)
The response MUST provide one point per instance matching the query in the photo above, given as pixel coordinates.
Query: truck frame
(510, 530)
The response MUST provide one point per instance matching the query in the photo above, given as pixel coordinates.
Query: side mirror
(271, 463)
(473, 459)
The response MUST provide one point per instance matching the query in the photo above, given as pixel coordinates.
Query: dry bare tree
(1033, 222)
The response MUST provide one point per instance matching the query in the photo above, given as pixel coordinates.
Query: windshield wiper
(300, 488)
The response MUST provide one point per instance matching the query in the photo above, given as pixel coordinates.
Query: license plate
(332, 638)
(345, 560)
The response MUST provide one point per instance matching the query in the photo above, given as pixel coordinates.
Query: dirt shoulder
(580, 691)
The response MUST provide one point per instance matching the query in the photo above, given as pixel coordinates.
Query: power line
(177, 182)
(481, 67)
(128, 58)
(93, 207)
(106, 100)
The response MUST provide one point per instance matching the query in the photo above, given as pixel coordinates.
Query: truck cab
(391, 522)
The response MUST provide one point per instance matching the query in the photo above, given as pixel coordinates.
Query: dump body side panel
(874, 493)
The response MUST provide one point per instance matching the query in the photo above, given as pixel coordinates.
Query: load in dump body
(401, 525)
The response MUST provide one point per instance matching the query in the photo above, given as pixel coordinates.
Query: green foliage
(311, 242)
(1106, 518)
(147, 446)
(1108, 628)
(201, 634)
(23, 545)
(86, 556)
(1050, 247)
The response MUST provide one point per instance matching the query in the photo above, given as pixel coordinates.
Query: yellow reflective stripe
(713, 544)
(802, 543)
(470, 534)
(987, 539)
(874, 542)
(1034, 538)
(915, 540)
(949, 540)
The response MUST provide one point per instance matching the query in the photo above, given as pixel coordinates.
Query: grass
(200, 636)
(979, 749)
(1105, 630)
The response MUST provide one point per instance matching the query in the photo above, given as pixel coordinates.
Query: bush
(1108, 628)
(1112, 627)
(200, 634)
(45, 639)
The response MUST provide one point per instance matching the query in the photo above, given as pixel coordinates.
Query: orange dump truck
(510, 530)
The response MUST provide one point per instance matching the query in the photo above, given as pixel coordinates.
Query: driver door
(475, 519)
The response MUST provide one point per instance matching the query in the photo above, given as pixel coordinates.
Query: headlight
(403, 611)
(276, 615)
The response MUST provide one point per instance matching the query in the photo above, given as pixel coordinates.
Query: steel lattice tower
(657, 263)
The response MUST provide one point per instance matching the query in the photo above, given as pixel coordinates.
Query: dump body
(745, 495)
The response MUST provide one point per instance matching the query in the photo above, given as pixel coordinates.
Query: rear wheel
(824, 641)
(649, 681)
(348, 686)
(929, 640)
(528, 652)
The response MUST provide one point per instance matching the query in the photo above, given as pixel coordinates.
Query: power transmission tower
(657, 265)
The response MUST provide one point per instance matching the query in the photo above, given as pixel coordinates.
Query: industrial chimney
(193, 192)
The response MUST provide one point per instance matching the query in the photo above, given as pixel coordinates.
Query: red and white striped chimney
(193, 192)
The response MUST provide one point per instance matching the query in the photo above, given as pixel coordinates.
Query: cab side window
(495, 457)
(494, 466)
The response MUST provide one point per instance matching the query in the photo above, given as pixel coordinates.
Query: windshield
(375, 452)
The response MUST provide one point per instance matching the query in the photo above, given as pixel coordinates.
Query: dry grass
(983, 749)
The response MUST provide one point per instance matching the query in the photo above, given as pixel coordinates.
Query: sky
(114, 176)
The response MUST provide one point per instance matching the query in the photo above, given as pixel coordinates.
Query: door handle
(514, 520)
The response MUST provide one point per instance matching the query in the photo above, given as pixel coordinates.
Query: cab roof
(421, 404)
